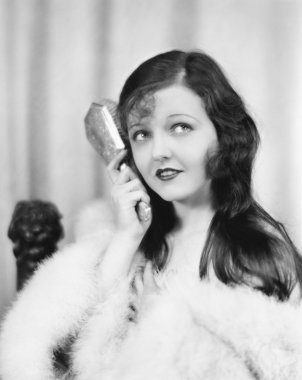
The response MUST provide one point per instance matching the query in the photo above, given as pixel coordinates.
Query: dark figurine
(35, 230)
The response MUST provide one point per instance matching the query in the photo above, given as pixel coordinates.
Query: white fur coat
(184, 329)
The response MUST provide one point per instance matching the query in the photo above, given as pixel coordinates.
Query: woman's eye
(139, 136)
(181, 128)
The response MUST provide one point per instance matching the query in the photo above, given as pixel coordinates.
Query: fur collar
(186, 329)
(194, 330)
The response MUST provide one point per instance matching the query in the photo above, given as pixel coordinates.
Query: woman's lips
(167, 174)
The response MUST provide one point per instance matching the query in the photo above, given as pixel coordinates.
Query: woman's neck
(186, 242)
(193, 218)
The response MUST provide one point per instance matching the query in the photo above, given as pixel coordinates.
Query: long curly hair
(244, 245)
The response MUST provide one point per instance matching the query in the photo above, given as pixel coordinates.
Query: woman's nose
(161, 148)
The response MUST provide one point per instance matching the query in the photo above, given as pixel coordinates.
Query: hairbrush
(101, 129)
(102, 132)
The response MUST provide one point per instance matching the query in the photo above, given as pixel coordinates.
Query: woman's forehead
(175, 99)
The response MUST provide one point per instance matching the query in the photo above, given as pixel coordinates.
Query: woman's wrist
(116, 264)
(129, 235)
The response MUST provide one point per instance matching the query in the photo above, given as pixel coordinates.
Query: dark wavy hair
(245, 245)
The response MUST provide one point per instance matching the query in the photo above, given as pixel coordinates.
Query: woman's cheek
(140, 163)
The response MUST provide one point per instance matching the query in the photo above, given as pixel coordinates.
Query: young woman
(207, 286)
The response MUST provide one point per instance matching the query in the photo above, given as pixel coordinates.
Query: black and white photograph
(150, 190)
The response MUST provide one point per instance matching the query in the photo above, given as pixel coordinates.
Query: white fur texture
(51, 307)
(187, 329)
(192, 330)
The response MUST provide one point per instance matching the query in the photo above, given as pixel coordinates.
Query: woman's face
(171, 144)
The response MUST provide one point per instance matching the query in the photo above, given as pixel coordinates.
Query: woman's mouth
(167, 174)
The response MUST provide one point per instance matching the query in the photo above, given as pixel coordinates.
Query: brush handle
(143, 211)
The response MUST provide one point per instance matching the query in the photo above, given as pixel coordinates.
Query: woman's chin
(173, 197)
(190, 198)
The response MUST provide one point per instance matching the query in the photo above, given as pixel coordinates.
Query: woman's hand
(127, 192)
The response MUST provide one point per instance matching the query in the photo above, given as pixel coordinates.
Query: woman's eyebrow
(184, 114)
(138, 124)
(131, 126)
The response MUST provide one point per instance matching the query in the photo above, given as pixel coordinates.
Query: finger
(125, 175)
(116, 161)
(136, 196)
(134, 184)
(114, 166)
(119, 191)
(125, 168)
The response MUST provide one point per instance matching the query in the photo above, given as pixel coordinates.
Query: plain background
(57, 56)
